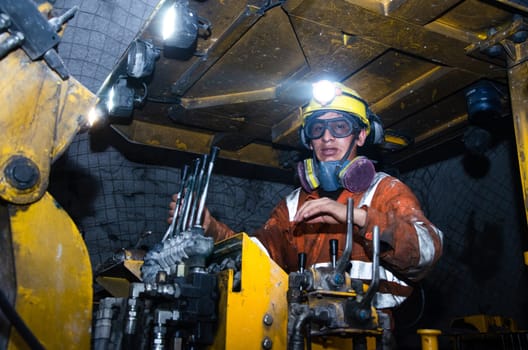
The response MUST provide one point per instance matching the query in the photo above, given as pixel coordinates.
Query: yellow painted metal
(116, 286)
(40, 115)
(53, 276)
(519, 101)
(429, 338)
(488, 324)
(117, 279)
(347, 341)
(396, 140)
(194, 142)
(262, 294)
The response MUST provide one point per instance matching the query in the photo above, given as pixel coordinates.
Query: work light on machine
(120, 101)
(95, 116)
(180, 26)
(141, 59)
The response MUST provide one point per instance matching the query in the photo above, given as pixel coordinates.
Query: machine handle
(345, 258)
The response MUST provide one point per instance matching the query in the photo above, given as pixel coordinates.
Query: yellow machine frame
(257, 315)
(51, 289)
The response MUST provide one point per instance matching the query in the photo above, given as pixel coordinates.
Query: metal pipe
(57, 22)
(19, 324)
(5, 21)
(10, 43)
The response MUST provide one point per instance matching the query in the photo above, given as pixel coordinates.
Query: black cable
(420, 312)
(173, 101)
(17, 322)
(269, 6)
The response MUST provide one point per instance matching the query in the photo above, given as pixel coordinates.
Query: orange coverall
(409, 243)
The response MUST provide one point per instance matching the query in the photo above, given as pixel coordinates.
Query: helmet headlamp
(324, 92)
(332, 96)
(328, 96)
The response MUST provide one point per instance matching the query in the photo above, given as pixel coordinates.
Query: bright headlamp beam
(324, 92)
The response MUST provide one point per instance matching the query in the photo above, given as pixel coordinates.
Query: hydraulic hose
(296, 338)
(19, 324)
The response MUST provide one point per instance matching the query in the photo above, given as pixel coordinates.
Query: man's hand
(328, 211)
(172, 207)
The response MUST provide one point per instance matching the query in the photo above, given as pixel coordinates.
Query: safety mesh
(113, 200)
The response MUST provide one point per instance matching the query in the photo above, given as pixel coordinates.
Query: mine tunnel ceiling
(414, 61)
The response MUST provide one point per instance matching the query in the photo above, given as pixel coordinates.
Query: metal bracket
(508, 39)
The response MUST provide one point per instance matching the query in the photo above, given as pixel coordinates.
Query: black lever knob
(333, 251)
(301, 261)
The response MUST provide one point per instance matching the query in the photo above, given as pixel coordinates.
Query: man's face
(331, 148)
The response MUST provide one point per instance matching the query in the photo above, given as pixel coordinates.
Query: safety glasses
(338, 127)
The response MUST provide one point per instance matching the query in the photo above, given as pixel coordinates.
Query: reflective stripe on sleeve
(427, 247)
(363, 270)
(366, 199)
(292, 201)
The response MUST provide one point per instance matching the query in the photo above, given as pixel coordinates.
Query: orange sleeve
(410, 244)
(275, 236)
(218, 230)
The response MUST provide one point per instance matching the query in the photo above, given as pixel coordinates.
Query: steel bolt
(268, 320)
(22, 173)
(267, 343)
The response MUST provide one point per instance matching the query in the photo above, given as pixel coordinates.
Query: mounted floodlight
(324, 92)
(142, 56)
(484, 108)
(180, 26)
(120, 101)
(483, 102)
(95, 116)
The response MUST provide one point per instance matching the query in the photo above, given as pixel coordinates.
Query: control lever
(373, 287)
(188, 199)
(301, 262)
(212, 158)
(333, 252)
(198, 189)
(362, 312)
(179, 198)
(345, 258)
(141, 237)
